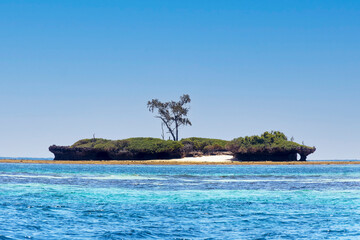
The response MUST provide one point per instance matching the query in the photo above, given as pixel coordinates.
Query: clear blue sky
(69, 69)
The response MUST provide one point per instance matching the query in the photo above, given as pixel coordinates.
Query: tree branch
(168, 127)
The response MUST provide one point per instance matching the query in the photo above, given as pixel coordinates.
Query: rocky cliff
(275, 154)
(76, 153)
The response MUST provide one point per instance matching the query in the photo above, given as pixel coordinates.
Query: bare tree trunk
(177, 132)
(170, 130)
(173, 136)
(162, 131)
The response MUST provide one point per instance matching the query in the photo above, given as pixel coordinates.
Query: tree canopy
(172, 114)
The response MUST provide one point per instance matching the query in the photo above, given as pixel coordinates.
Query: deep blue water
(39, 201)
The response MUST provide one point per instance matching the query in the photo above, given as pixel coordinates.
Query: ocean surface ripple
(41, 201)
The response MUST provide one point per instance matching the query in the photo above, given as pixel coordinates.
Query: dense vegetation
(153, 146)
(269, 145)
(146, 145)
(267, 142)
(204, 145)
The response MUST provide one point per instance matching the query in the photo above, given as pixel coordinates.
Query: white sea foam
(330, 180)
(32, 176)
(285, 180)
(249, 180)
(349, 180)
(122, 177)
(107, 177)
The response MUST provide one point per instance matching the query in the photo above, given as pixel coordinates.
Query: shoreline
(204, 160)
(177, 162)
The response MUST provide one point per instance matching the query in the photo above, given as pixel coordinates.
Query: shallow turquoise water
(179, 202)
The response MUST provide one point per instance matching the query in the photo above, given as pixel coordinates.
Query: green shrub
(273, 141)
(152, 145)
(205, 144)
(135, 145)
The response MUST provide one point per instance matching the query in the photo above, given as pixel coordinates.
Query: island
(270, 146)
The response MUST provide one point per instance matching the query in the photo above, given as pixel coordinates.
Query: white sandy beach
(209, 159)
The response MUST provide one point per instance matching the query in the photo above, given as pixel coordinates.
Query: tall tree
(172, 114)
